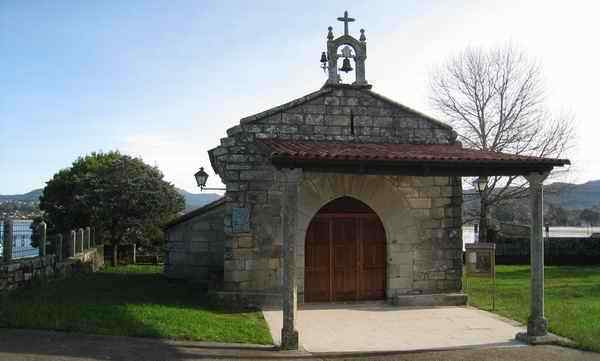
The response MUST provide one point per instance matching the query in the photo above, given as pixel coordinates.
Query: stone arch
(360, 51)
(358, 272)
(398, 203)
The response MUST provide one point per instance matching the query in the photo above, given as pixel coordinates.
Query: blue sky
(164, 79)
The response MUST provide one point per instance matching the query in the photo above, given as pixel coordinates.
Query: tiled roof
(446, 153)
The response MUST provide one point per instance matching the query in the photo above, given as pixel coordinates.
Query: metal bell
(323, 57)
(346, 67)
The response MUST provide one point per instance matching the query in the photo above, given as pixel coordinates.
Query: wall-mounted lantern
(201, 177)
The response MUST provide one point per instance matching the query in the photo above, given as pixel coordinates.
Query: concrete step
(436, 299)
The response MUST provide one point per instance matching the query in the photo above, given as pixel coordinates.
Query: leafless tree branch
(494, 99)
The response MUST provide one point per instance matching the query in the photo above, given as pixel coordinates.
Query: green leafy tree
(557, 216)
(126, 200)
(590, 216)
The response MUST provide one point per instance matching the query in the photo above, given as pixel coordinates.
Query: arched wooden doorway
(345, 253)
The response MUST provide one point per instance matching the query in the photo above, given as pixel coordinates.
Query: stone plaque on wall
(240, 221)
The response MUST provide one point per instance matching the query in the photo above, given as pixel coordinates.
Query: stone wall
(20, 273)
(343, 114)
(557, 251)
(195, 246)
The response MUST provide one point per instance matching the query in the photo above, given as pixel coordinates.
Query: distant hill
(565, 195)
(33, 196)
(573, 196)
(564, 204)
(192, 200)
(195, 200)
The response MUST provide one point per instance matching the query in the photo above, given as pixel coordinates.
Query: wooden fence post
(7, 240)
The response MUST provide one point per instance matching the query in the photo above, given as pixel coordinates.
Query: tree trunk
(115, 255)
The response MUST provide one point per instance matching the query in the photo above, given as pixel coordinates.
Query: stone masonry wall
(20, 273)
(195, 248)
(342, 113)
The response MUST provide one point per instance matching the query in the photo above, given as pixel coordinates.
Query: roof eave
(418, 167)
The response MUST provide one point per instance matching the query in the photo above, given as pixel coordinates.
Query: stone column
(536, 324)
(42, 232)
(87, 236)
(7, 242)
(289, 211)
(80, 240)
(72, 243)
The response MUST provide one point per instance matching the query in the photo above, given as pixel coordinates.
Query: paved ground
(28, 345)
(380, 327)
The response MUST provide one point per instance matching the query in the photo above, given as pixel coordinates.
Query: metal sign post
(480, 261)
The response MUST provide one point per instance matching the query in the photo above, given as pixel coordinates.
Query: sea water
(22, 247)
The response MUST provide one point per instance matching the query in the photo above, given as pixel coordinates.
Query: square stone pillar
(536, 324)
(289, 214)
(72, 243)
(42, 228)
(87, 238)
(7, 239)
(59, 247)
(80, 240)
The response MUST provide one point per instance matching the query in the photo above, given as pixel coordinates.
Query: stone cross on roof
(346, 20)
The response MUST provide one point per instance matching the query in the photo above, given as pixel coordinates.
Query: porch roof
(407, 159)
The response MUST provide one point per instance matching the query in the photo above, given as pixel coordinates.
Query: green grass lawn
(129, 301)
(572, 299)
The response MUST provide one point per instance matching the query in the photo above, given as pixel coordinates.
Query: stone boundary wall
(557, 251)
(23, 272)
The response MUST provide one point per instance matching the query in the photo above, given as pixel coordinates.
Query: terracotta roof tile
(330, 151)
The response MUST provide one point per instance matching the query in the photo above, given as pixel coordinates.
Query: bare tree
(494, 99)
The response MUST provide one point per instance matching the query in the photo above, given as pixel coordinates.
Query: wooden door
(344, 256)
(317, 270)
(372, 270)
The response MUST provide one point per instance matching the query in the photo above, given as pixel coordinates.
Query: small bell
(346, 67)
(324, 61)
(323, 57)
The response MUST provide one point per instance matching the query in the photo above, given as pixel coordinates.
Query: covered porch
(380, 327)
(294, 158)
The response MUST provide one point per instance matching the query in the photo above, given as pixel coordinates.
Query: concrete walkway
(30, 345)
(380, 327)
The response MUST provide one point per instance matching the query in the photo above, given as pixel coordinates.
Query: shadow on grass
(129, 304)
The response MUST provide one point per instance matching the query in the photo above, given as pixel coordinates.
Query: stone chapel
(339, 195)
